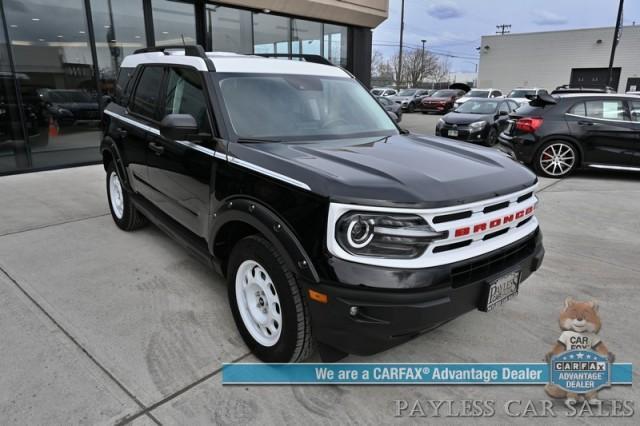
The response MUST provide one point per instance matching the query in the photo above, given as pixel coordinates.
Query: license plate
(453, 133)
(501, 290)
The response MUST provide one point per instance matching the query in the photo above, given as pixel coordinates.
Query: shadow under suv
(332, 226)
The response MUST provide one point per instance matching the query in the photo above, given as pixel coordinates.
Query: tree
(441, 71)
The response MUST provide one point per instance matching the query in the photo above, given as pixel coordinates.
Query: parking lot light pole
(399, 76)
(616, 40)
(422, 61)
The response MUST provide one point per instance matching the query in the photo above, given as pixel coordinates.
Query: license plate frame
(500, 290)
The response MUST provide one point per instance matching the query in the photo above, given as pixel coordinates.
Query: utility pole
(503, 29)
(422, 61)
(616, 39)
(399, 77)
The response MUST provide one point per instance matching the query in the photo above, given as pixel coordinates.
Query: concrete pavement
(102, 326)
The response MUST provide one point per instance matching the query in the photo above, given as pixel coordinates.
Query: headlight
(440, 122)
(390, 235)
(478, 125)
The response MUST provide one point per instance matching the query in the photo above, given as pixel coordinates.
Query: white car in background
(523, 95)
(383, 91)
(478, 93)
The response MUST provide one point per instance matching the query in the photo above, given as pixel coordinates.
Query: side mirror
(179, 127)
(393, 116)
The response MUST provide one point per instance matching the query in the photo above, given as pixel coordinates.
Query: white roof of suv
(233, 62)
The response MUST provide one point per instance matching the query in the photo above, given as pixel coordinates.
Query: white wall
(545, 59)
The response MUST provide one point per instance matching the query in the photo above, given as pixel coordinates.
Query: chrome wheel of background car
(258, 303)
(411, 107)
(116, 195)
(557, 159)
(492, 137)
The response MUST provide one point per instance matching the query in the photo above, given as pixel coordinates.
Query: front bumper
(421, 299)
(465, 133)
(433, 107)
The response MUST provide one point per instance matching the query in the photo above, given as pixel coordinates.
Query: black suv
(557, 134)
(332, 226)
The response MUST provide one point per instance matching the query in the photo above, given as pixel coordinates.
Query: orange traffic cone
(53, 128)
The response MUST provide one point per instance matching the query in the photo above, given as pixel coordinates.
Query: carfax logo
(579, 361)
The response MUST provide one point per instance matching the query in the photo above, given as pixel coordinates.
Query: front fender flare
(271, 226)
(109, 145)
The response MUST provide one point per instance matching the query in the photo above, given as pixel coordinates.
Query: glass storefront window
(12, 146)
(50, 44)
(306, 37)
(174, 22)
(270, 33)
(229, 30)
(119, 30)
(335, 44)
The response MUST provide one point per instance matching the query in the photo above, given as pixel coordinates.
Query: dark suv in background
(557, 134)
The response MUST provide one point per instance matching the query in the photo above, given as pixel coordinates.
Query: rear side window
(147, 92)
(185, 95)
(635, 111)
(579, 109)
(605, 109)
(123, 84)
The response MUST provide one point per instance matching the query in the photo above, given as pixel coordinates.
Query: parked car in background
(383, 91)
(409, 98)
(479, 93)
(565, 89)
(70, 107)
(391, 106)
(557, 134)
(523, 95)
(477, 120)
(633, 93)
(441, 101)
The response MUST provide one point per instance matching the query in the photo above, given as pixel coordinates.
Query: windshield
(475, 107)
(407, 92)
(521, 93)
(294, 107)
(478, 94)
(444, 94)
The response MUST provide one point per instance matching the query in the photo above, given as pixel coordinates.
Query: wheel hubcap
(116, 195)
(557, 159)
(258, 303)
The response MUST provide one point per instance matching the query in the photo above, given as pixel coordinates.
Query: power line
(503, 29)
(435, 52)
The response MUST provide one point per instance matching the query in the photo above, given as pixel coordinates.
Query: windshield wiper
(257, 140)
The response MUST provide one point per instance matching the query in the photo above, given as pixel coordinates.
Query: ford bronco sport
(333, 227)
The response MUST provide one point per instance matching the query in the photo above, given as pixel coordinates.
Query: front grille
(478, 270)
(451, 217)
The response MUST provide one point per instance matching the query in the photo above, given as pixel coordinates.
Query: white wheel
(557, 159)
(258, 303)
(116, 195)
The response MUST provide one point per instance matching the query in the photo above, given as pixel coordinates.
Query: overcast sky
(454, 27)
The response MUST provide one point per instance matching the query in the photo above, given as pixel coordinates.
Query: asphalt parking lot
(102, 326)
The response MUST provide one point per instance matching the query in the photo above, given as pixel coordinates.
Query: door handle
(158, 149)
(587, 123)
(121, 133)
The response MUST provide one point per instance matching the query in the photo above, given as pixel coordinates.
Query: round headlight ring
(363, 231)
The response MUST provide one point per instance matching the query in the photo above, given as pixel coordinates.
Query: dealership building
(550, 59)
(59, 59)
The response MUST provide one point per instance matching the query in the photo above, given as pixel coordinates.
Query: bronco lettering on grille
(484, 226)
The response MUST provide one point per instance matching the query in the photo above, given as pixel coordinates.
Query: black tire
(130, 219)
(545, 153)
(294, 343)
(425, 112)
(492, 137)
(411, 107)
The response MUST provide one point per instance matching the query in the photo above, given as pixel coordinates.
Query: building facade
(550, 59)
(59, 59)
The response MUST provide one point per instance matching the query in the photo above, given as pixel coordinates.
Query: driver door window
(185, 95)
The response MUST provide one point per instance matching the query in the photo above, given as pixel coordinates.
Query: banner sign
(415, 374)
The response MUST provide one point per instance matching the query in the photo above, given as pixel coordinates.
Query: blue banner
(387, 374)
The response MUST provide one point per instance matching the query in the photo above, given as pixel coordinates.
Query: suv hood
(462, 118)
(400, 170)
(400, 98)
